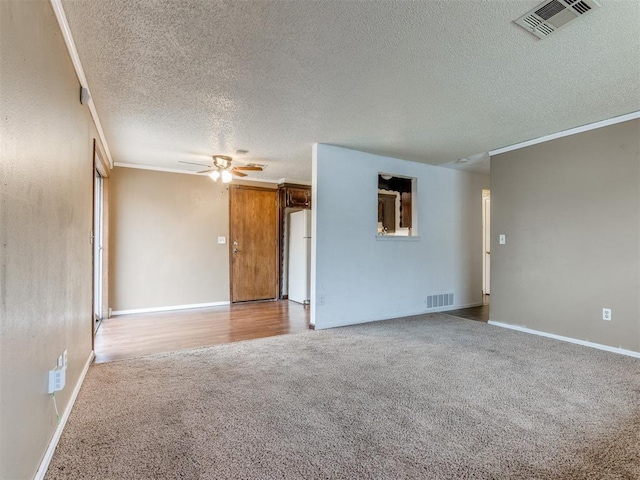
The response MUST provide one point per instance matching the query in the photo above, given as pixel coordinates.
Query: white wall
(359, 277)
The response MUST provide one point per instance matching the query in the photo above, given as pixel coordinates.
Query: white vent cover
(549, 16)
(440, 300)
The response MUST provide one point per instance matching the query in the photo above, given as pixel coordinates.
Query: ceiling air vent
(549, 16)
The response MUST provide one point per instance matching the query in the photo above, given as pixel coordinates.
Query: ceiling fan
(223, 168)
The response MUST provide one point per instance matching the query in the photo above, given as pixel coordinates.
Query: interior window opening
(396, 205)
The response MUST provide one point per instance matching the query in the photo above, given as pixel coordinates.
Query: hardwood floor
(130, 336)
(479, 314)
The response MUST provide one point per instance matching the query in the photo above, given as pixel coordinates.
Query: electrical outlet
(57, 379)
(606, 314)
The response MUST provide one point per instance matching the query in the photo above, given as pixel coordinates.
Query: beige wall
(164, 229)
(45, 218)
(570, 209)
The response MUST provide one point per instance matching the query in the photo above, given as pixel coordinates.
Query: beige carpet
(425, 397)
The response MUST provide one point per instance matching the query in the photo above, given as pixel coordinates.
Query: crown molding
(294, 181)
(155, 169)
(77, 65)
(566, 133)
(188, 172)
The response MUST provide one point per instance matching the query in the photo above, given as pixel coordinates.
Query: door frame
(486, 242)
(101, 168)
(276, 245)
(97, 238)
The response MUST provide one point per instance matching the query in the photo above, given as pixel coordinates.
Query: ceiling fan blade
(207, 170)
(253, 168)
(237, 173)
(194, 163)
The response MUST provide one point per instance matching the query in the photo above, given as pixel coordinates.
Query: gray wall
(164, 230)
(45, 219)
(571, 211)
(360, 277)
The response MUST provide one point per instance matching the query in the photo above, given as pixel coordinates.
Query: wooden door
(253, 243)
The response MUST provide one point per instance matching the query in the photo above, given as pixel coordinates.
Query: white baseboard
(44, 465)
(403, 315)
(169, 308)
(585, 343)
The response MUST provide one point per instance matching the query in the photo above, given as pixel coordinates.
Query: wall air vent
(552, 15)
(441, 300)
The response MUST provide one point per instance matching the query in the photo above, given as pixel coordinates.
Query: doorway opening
(481, 313)
(486, 245)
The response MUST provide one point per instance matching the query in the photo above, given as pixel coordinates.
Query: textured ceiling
(428, 81)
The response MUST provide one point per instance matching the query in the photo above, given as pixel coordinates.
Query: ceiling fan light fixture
(222, 161)
(226, 176)
(215, 175)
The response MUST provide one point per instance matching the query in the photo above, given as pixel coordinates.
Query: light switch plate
(503, 239)
(222, 240)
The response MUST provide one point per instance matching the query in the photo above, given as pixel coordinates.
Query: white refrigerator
(300, 256)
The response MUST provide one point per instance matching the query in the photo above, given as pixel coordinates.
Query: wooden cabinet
(405, 210)
(297, 196)
(386, 213)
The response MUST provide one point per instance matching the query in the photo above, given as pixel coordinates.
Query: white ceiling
(429, 81)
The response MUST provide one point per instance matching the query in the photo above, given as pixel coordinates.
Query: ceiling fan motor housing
(222, 161)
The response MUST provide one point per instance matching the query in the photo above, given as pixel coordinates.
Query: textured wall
(46, 214)
(360, 278)
(571, 211)
(164, 229)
